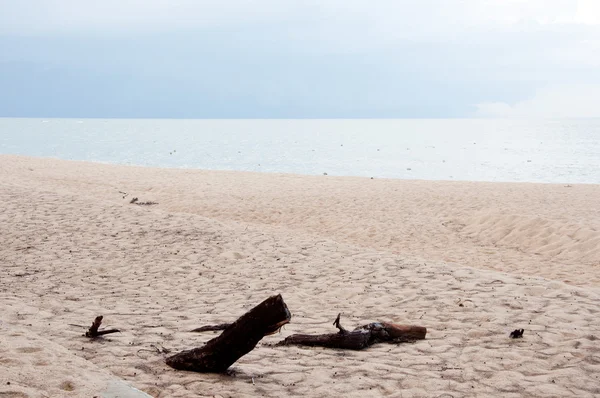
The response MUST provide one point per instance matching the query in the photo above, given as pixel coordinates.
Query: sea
(545, 151)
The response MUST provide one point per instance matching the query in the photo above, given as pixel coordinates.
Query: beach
(471, 261)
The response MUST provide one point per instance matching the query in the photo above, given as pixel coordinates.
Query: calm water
(562, 151)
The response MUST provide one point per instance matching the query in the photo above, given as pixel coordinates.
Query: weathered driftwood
(237, 339)
(93, 330)
(212, 328)
(359, 338)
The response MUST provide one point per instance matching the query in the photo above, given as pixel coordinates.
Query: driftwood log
(237, 339)
(359, 338)
(93, 331)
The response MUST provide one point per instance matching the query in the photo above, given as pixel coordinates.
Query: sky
(300, 58)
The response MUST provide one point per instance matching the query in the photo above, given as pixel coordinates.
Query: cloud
(385, 18)
(588, 12)
(295, 58)
(119, 17)
(558, 101)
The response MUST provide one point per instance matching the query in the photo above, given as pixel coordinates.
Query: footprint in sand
(67, 386)
(13, 394)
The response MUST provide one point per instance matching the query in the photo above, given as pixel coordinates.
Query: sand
(470, 261)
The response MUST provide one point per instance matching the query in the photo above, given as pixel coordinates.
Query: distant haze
(300, 58)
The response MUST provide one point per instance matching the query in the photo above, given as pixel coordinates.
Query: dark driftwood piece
(237, 339)
(212, 328)
(517, 333)
(359, 338)
(93, 330)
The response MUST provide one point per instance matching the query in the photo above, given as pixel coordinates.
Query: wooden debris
(517, 333)
(211, 328)
(238, 339)
(361, 337)
(135, 201)
(94, 332)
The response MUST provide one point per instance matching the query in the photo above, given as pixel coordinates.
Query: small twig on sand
(94, 332)
(126, 313)
(136, 201)
(444, 368)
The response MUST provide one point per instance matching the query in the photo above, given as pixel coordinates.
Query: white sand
(220, 242)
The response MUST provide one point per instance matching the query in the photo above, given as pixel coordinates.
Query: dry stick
(137, 202)
(149, 203)
(337, 324)
(94, 332)
(359, 338)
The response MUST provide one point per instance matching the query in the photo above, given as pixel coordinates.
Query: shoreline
(276, 173)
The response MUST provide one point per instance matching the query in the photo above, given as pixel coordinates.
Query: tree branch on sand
(359, 338)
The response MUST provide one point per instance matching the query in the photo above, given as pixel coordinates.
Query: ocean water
(557, 151)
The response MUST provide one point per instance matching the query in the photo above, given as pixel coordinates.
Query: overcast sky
(300, 58)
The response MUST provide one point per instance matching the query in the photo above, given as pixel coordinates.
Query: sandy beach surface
(470, 261)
